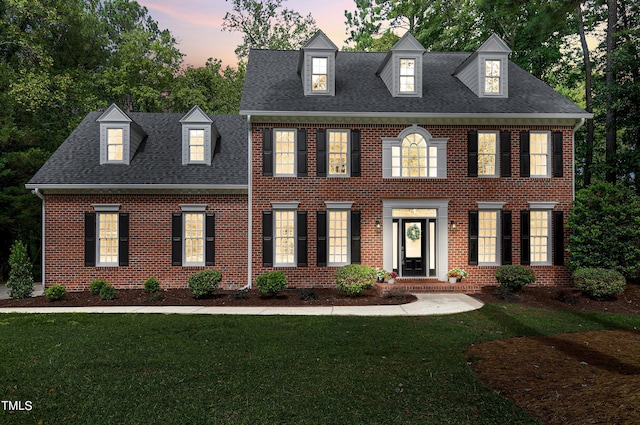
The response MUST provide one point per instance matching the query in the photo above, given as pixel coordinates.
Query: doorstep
(429, 286)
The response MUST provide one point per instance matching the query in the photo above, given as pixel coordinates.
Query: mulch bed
(577, 378)
(184, 297)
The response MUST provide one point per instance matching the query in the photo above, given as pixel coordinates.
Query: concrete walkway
(426, 305)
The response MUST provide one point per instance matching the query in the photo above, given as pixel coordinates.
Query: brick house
(409, 160)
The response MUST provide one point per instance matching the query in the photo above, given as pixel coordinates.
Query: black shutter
(267, 152)
(89, 239)
(524, 154)
(123, 239)
(557, 154)
(472, 153)
(301, 154)
(505, 248)
(525, 248)
(505, 154)
(355, 153)
(473, 237)
(558, 238)
(302, 239)
(176, 239)
(210, 240)
(321, 149)
(356, 240)
(267, 238)
(322, 238)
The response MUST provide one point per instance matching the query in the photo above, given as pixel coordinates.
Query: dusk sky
(197, 25)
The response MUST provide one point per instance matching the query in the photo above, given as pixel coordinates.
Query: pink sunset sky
(197, 25)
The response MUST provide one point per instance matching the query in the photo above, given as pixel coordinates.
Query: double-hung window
(490, 235)
(193, 239)
(488, 248)
(319, 72)
(115, 144)
(196, 145)
(407, 76)
(339, 234)
(540, 236)
(338, 153)
(284, 235)
(338, 237)
(488, 154)
(107, 239)
(492, 75)
(106, 236)
(285, 152)
(284, 238)
(193, 236)
(539, 158)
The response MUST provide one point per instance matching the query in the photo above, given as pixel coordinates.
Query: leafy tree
(215, 90)
(265, 24)
(605, 225)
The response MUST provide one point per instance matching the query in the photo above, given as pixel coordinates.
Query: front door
(415, 247)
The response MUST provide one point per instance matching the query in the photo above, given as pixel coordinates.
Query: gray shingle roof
(158, 160)
(272, 84)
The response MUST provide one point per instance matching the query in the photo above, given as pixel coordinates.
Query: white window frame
(101, 211)
(347, 154)
(320, 74)
(486, 76)
(201, 238)
(123, 134)
(496, 238)
(392, 155)
(410, 75)
(496, 155)
(547, 154)
(277, 238)
(546, 235)
(339, 207)
(190, 138)
(292, 152)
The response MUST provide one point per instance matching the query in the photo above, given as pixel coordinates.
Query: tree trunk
(610, 122)
(586, 57)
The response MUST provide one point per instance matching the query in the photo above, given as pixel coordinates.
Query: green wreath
(413, 232)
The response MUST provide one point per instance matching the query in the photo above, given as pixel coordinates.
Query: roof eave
(203, 188)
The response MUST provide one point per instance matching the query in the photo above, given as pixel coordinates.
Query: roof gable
(196, 116)
(114, 114)
(494, 44)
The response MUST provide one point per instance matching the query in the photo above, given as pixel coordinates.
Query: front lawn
(143, 369)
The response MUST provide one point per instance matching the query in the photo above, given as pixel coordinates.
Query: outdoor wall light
(378, 225)
(452, 225)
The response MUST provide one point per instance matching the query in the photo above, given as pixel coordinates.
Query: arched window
(414, 154)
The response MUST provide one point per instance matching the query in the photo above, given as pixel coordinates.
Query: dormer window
(492, 76)
(115, 144)
(120, 137)
(199, 137)
(319, 74)
(407, 75)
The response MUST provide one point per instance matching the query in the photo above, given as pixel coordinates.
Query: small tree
(20, 281)
(605, 225)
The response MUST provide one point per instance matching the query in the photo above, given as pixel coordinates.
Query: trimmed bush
(599, 283)
(20, 283)
(270, 283)
(151, 285)
(108, 292)
(96, 286)
(513, 277)
(55, 292)
(355, 278)
(204, 283)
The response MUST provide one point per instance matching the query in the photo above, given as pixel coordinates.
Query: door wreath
(413, 232)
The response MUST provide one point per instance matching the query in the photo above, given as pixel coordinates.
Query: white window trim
(348, 164)
(327, 75)
(286, 206)
(549, 155)
(548, 207)
(483, 76)
(439, 143)
(125, 143)
(106, 209)
(186, 143)
(339, 207)
(275, 152)
(186, 263)
(496, 155)
(498, 236)
(204, 145)
(415, 76)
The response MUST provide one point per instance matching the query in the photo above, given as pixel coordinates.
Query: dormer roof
(196, 116)
(198, 121)
(407, 44)
(317, 66)
(402, 70)
(474, 69)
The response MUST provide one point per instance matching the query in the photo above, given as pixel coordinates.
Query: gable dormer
(199, 137)
(401, 69)
(486, 71)
(317, 66)
(120, 136)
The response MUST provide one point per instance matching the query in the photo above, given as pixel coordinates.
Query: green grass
(144, 369)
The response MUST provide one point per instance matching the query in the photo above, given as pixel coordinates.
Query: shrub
(355, 278)
(605, 229)
(241, 294)
(599, 283)
(204, 283)
(308, 294)
(96, 286)
(20, 281)
(55, 292)
(108, 292)
(151, 285)
(513, 277)
(271, 283)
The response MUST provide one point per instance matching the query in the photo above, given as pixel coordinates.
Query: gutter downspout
(39, 194)
(249, 206)
(573, 156)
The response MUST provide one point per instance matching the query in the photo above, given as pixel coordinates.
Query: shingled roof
(157, 163)
(273, 87)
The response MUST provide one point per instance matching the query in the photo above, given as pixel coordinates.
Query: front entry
(414, 243)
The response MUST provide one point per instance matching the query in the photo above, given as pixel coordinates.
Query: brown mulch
(184, 297)
(577, 378)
